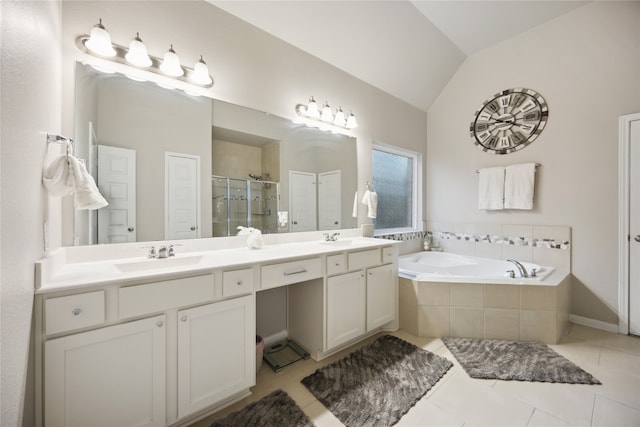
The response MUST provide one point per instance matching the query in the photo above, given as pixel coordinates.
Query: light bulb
(339, 119)
(137, 54)
(201, 73)
(326, 113)
(99, 41)
(312, 109)
(171, 64)
(351, 121)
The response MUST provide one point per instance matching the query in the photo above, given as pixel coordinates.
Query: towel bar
(537, 166)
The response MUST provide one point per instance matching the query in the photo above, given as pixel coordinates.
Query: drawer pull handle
(239, 283)
(76, 311)
(299, 271)
(183, 318)
(159, 323)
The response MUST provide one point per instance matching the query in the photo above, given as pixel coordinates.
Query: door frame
(624, 141)
(167, 155)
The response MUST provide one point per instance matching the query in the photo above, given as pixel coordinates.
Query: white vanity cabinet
(346, 307)
(381, 291)
(113, 376)
(216, 353)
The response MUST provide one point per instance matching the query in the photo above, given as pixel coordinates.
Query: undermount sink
(152, 264)
(343, 242)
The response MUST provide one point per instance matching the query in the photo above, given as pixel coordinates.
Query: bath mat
(378, 384)
(515, 360)
(274, 410)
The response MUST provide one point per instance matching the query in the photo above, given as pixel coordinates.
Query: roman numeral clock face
(509, 121)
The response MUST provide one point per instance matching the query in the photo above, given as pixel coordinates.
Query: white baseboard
(593, 323)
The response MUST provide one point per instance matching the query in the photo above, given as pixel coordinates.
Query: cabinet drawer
(364, 259)
(237, 282)
(74, 312)
(387, 255)
(287, 273)
(158, 296)
(336, 264)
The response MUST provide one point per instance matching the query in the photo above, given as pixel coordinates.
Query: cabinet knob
(159, 323)
(193, 228)
(239, 283)
(637, 238)
(183, 318)
(76, 311)
(130, 229)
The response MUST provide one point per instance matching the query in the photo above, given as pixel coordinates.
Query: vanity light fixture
(137, 54)
(100, 41)
(312, 116)
(171, 64)
(136, 63)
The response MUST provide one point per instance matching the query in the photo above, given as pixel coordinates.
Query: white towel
(519, 185)
(355, 205)
(491, 188)
(68, 174)
(370, 199)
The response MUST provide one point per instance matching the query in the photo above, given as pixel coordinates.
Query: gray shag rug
(515, 360)
(274, 410)
(378, 384)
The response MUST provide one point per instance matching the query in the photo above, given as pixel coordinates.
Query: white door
(182, 196)
(113, 376)
(634, 227)
(329, 200)
(345, 308)
(381, 301)
(302, 201)
(117, 183)
(216, 353)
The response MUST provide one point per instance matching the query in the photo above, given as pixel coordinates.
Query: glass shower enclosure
(243, 202)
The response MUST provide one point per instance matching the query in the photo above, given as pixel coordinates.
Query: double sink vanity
(126, 340)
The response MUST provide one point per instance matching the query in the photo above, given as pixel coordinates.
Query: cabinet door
(381, 299)
(345, 308)
(114, 376)
(216, 353)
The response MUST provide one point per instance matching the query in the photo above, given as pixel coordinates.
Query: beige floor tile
(542, 419)
(619, 361)
(618, 386)
(320, 415)
(608, 413)
(567, 402)
(425, 414)
(626, 343)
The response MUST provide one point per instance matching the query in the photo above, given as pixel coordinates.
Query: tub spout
(521, 269)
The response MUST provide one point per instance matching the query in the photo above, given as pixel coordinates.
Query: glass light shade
(339, 119)
(326, 113)
(351, 121)
(312, 109)
(171, 64)
(99, 41)
(201, 73)
(137, 54)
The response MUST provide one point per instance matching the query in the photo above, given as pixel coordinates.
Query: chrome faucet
(330, 237)
(521, 269)
(166, 251)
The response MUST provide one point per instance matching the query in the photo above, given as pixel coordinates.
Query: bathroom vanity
(125, 340)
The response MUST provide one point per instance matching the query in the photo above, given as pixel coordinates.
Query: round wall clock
(509, 121)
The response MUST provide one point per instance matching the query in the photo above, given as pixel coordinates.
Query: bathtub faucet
(521, 269)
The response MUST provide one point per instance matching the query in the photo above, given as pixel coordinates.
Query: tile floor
(458, 400)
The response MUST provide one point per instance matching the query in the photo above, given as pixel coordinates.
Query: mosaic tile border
(480, 238)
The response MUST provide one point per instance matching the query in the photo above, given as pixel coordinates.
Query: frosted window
(393, 176)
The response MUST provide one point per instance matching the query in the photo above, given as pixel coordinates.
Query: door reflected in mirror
(175, 166)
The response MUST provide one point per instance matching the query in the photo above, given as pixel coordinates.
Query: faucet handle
(511, 274)
(152, 252)
(534, 273)
(171, 251)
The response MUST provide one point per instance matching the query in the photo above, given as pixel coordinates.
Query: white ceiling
(409, 49)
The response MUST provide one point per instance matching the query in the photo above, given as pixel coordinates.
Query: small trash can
(259, 352)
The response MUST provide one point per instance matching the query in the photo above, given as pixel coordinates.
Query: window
(396, 178)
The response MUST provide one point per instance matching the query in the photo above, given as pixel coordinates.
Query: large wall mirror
(176, 166)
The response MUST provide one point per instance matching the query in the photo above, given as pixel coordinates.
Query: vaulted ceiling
(409, 49)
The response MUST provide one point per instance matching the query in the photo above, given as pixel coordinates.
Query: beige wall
(30, 105)
(587, 66)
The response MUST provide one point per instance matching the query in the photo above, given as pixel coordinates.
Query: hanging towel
(67, 174)
(491, 188)
(519, 185)
(355, 205)
(370, 199)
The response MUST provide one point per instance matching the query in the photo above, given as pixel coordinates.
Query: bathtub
(445, 294)
(443, 266)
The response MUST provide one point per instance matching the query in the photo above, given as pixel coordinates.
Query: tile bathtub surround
(514, 312)
(458, 400)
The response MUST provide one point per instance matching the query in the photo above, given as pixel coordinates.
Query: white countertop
(65, 269)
